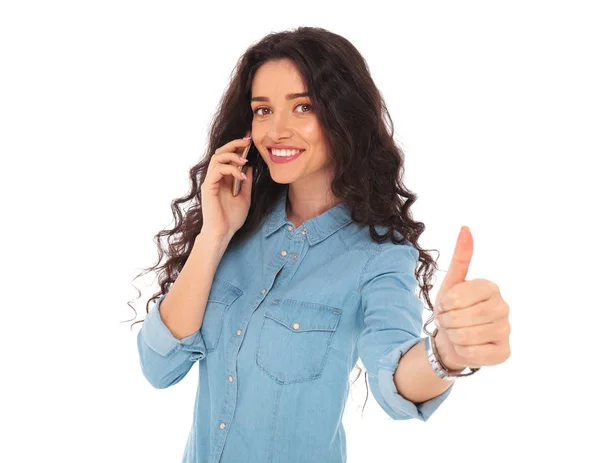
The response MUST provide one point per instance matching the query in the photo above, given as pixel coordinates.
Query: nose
(279, 127)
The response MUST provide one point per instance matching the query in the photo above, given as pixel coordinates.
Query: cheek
(312, 133)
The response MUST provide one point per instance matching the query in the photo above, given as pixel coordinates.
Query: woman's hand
(471, 316)
(222, 213)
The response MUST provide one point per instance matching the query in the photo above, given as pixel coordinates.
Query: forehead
(275, 79)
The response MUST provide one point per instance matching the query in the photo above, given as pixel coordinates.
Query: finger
(230, 169)
(468, 293)
(226, 158)
(232, 145)
(480, 334)
(222, 170)
(485, 354)
(461, 259)
(480, 313)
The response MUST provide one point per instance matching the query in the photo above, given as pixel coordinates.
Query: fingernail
(244, 176)
(248, 136)
(243, 159)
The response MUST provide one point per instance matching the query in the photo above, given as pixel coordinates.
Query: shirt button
(284, 253)
(294, 256)
(264, 291)
(231, 379)
(222, 426)
(289, 228)
(296, 325)
(304, 231)
(239, 332)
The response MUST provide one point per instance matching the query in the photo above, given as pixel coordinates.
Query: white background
(104, 107)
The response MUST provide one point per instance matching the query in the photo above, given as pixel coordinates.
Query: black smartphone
(250, 153)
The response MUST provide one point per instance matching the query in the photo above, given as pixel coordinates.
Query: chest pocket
(222, 295)
(294, 340)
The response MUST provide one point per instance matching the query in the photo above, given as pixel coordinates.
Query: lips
(284, 159)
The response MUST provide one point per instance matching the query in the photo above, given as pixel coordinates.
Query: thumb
(459, 265)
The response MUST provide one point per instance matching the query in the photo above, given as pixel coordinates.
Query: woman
(278, 291)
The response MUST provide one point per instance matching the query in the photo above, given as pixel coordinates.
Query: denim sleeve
(164, 359)
(393, 318)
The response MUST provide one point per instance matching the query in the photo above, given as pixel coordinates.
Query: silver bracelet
(438, 366)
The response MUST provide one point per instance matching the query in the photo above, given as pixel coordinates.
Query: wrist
(212, 242)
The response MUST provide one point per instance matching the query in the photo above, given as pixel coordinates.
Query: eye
(256, 111)
(304, 104)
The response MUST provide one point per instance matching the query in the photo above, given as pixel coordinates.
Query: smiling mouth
(285, 152)
(284, 156)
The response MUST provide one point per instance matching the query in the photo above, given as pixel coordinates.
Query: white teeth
(285, 152)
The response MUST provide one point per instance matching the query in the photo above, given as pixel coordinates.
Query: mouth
(283, 156)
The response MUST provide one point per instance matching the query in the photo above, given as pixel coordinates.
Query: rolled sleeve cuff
(160, 339)
(387, 395)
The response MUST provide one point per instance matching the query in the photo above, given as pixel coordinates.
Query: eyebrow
(290, 96)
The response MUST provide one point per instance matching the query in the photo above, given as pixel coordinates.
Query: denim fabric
(275, 354)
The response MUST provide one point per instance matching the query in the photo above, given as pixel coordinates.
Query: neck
(305, 205)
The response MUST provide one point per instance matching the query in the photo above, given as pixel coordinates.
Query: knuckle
(489, 284)
(459, 336)
(493, 286)
(479, 311)
(455, 318)
(451, 299)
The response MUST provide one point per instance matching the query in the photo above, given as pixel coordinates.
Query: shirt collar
(318, 228)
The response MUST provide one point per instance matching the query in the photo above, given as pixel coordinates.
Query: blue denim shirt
(275, 353)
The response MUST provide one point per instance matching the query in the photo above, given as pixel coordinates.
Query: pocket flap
(223, 292)
(305, 316)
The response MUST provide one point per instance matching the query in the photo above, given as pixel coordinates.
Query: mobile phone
(237, 183)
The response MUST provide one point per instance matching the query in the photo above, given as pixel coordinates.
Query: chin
(283, 180)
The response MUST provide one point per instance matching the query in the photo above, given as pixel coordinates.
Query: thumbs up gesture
(471, 316)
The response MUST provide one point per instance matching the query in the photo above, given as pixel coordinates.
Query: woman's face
(281, 119)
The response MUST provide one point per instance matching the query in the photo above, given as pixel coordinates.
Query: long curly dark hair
(368, 165)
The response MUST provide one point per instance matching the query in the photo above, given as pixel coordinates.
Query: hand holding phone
(223, 214)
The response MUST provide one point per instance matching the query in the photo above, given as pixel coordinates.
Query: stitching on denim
(298, 380)
(299, 330)
(231, 293)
